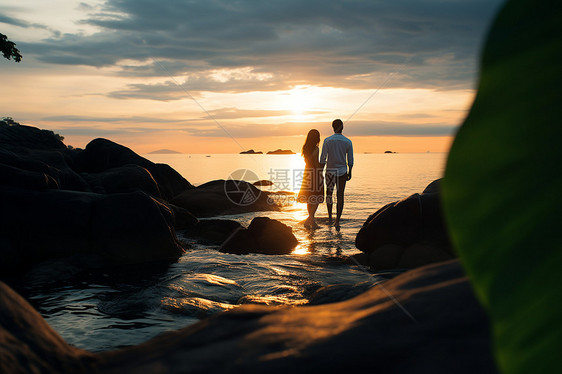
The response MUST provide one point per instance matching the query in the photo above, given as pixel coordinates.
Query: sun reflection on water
(301, 249)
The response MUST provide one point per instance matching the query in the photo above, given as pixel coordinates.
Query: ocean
(101, 309)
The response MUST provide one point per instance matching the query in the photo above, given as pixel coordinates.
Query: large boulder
(220, 197)
(101, 155)
(105, 200)
(407, 233)
(264, 235)
(41, 225)
(432, 324)
(54, 164)
(127, 178)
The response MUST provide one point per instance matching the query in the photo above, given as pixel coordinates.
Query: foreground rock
(264, 235)
(369, 333)
(407, 233)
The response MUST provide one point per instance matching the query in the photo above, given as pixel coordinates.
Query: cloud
(231, 81)
(220, 127)
(128, 119)
(351, 44)
(13, 21)
(354, 128)
(25, 24)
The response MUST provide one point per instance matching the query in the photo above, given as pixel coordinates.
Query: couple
(337, 155)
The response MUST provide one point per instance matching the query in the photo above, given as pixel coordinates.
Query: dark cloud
(13, 21)
(25, 24)
(351, 44)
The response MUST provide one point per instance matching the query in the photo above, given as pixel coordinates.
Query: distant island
(251, 152)
(389, 152)
(281, 152)
(164, 152)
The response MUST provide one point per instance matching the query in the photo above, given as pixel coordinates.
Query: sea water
(102, 309)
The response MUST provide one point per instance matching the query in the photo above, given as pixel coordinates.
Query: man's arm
(349, 160)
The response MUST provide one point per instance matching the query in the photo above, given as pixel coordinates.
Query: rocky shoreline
(104, 200)
(115, 207)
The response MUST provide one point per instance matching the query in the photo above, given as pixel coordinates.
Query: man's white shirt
(337, 153)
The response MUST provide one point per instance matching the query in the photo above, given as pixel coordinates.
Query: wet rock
(264, 235)
(130, 228)
(213, 231)
(411, 228)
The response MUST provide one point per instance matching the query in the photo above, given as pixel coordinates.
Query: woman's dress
(312, 187)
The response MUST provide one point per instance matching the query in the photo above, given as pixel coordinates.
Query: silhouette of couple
(337, 157)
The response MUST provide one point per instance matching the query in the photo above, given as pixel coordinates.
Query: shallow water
(102, 309)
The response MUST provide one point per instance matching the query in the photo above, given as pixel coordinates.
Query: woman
(312, 188)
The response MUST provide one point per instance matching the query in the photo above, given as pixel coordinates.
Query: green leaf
(502, 190)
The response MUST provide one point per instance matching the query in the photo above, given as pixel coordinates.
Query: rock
(214, 231)
(221, 197)
(433, 187)
(281, 152)
(127, 178)
(251, 152)
(386, 256)
(264, 235)
(49, 210)
(19, 163)
(338, 292)
(33, 180)
(130, 228)
(368, 333)
(182, 218)
(43, 225)
(30, 345)
(263, 183)
(421, 254)
(399, 227)
(29, 137)
(101, 155)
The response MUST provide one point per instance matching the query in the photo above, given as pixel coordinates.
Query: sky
(218, 76)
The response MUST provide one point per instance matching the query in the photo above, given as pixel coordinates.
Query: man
(337, 154)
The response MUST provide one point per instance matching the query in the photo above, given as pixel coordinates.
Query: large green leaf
(502, 190)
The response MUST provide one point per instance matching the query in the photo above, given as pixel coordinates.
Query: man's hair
(337, 125)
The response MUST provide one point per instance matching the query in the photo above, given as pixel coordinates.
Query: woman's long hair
(311, 142)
